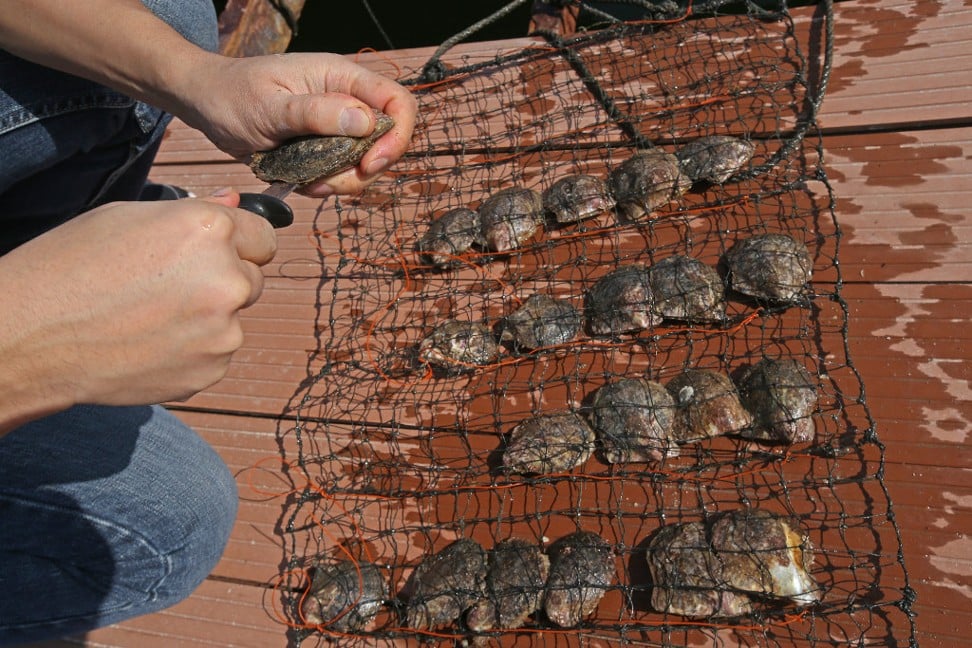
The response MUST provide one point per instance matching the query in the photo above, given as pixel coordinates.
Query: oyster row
(719, 567)
(630, 298)
(646, 181)
(640, 420)
(487, 590)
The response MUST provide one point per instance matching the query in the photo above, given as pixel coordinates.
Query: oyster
(687, 289)
(344, 596)
(646, 181)
(509, 218)
(514, 586)
(769, 266)
(720, 567)
(446, 584)
(576, 197)
(633, 421)
(541, 321)
(449, 236)
(549, 443)
(620, 302)
(581, 570)
(714, 158)
(305, 159)
(456, 347)
(706, 405)
(782, 396)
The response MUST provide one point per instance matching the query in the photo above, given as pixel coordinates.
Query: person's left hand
(253, 104)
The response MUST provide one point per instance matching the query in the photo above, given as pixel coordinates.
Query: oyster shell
(344, 596)
(449, 236)
(576, 197)
(541, 321)
(782, 397)
(621, 302)
(775, 267)
(549, 443)
(707, 404)
(514, 586)
(509, 218)
(455, 346)
(633, 420)
(714, 158)
(687, 289)
(716, 568)
(645, 181)
(305, 159)
(581, 571)
(446, 584)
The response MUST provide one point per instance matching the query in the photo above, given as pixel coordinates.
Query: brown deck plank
(906, 258)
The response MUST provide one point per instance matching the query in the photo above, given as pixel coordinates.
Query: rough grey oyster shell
(645, 181)
(774, 267)
(549, 443)
(621, 302)
(344, 596)
(456, 347)
(581, 570)
(510, 218)
(782, 397)
(714, 158)
(541, 321)
(715, 568)
(576, 197)
(446, 584)
(514, 586)
(305, 159)
(687, 289)
(633, 420)
(449, 236)
(707, 404)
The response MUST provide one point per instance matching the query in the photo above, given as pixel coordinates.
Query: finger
(255, 276)
(253, 236)
(328, 113)
(402, 108)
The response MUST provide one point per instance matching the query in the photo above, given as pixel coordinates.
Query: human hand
(130, 303)
(253, 104)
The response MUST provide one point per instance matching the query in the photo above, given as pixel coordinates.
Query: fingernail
(376, 166)
(324, 190)
(354, 122)
(219, 193)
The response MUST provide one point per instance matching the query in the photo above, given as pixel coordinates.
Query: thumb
(328, 113)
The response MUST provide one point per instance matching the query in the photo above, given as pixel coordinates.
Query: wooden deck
(897, 133)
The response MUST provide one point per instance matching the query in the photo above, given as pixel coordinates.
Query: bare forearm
(118, 43)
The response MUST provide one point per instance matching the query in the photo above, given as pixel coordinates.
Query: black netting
(394, 458)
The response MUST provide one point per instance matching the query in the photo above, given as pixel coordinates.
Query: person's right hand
(130, 303)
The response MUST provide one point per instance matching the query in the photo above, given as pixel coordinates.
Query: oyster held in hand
(305, 159)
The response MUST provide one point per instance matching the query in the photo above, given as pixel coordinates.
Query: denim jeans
(105, 512)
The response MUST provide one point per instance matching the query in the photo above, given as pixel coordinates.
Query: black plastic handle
(273, 209)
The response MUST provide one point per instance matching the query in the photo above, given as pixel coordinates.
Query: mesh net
(392, 461)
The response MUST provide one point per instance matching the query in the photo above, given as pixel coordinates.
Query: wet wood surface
(897, 147)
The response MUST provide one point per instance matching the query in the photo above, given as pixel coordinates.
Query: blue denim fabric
(68, 145)
(105, 513)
